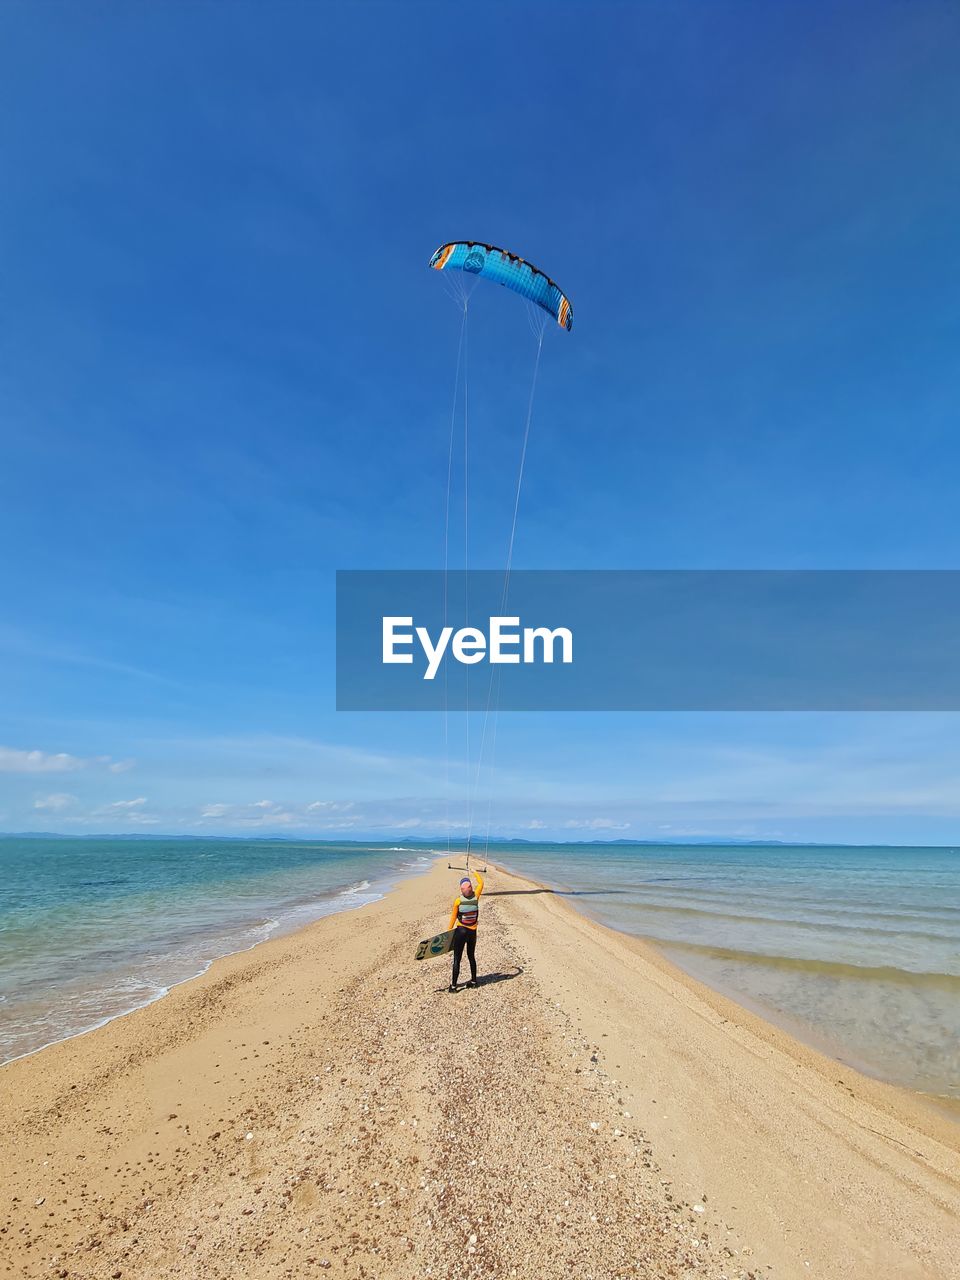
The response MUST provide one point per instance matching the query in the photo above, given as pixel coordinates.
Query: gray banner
(667, 640)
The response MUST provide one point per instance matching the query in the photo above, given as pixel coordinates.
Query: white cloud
(56, 803)
(331, 805)
(14, 760)
(535, 825)
(122, 813)
(596, 824)
(259, 813)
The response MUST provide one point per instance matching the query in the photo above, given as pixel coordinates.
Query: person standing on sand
(465, 915)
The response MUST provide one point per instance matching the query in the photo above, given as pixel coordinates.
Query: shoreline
(380, 886)
(748, 1139)
(776, 1020)
(868, 1050)
(789, 1036)
(735, 1004)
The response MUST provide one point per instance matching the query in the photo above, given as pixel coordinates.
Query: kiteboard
(438, 945)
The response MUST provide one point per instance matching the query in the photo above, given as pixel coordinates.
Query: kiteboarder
(463, 920)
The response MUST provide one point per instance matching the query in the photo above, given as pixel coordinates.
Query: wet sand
(321, 1105)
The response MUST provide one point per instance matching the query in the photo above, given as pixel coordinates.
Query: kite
(507, 269)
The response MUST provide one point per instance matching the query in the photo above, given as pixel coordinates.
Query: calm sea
(855, 949)
(93, 928)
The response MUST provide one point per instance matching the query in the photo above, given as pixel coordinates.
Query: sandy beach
(321, 1105)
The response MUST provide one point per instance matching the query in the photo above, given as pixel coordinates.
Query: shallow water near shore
(855, 949)
(90, 929)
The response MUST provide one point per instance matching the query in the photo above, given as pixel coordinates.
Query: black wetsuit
(463, 937)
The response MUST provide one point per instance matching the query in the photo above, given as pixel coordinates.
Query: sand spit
(320, 1105)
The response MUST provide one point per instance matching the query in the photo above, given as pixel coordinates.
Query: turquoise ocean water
(93, 928)
(857, 950)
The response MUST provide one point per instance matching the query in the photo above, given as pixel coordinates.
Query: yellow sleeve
(453, 914)
(479, 883)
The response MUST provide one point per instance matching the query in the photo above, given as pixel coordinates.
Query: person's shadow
(488, 979)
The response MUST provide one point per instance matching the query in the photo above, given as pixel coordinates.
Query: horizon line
(458, 845)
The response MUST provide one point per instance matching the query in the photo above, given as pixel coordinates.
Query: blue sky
(225, 372)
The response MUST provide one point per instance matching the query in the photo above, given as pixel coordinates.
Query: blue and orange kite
(506, 268)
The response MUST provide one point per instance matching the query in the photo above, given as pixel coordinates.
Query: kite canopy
(507, 269)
